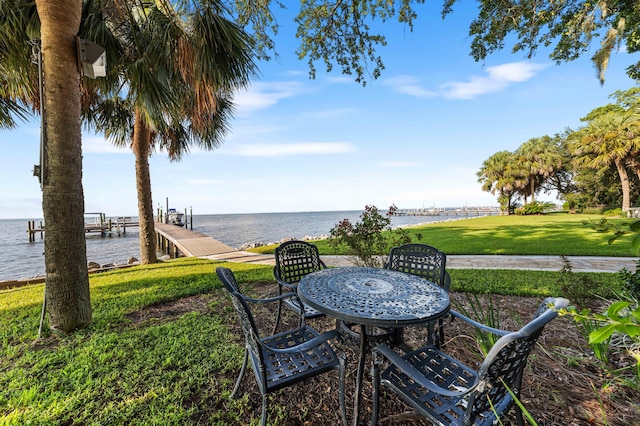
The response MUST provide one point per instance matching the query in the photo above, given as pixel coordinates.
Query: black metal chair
(448, 392)
(294, 260)
(422, 260)
(285, 358)
(426, 262)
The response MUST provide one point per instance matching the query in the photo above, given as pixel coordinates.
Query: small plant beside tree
(368, 242)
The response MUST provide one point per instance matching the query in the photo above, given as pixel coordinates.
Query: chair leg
(431, 337)
(440, 333)
(398, 340)
(519, 418)
(278, 312)
(398, 336)
(242, 370)
(303, 320)
(343, 408)
(375, 377)
(263, 419)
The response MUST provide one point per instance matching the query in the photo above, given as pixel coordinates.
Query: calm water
(21, 259)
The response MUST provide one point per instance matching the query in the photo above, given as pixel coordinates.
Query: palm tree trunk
(141, 146)
(533, 189)
(67, 279)
(626, 186)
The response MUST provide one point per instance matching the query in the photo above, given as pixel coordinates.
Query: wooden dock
(100, 224)
(176, 241)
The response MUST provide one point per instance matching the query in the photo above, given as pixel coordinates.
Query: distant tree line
(597, 164)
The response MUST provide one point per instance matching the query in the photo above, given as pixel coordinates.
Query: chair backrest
(419, 259)
(503, 366)
(245, 318)
(295, 259)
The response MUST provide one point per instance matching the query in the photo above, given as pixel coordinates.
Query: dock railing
(93, 223)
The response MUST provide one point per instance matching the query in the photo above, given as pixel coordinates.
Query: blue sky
(415, 137)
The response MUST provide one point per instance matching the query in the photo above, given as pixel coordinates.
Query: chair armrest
(416, 375)
(478, 325)
(282, 282)
(302, 347)
(282, 296)
(446, 285)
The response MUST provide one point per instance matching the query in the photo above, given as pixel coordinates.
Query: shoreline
(107, 266)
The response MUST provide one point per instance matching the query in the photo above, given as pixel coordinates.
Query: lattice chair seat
(426, 262)
(294, 260)
(285, 358)
(282, 366)
(448, 392)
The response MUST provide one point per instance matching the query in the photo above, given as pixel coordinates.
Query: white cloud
(278, 150)
(262, 95)
(498, 78)
(409, 86)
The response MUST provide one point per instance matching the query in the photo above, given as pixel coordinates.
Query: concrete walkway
(195, 244)
(539, 263)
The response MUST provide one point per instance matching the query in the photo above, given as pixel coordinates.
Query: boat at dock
(174, 217)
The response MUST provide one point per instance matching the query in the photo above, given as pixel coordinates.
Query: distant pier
(449, 211)
(95, 223)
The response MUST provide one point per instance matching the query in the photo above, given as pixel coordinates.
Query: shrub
(592, 210)
(535, 207)
(577, 288)
(631, 281)
(614, 213)
(369, 241)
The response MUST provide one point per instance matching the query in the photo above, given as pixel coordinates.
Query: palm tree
(67, 279)
(609, 139)
(499, 175)
(51, 26)
(539, 159)
(179, 66)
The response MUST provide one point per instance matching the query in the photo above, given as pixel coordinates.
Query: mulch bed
(563, 384)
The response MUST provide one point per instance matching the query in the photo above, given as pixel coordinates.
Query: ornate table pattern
(373, 297)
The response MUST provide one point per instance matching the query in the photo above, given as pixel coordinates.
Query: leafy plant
(489, 316)
(589, 325)
(578, 288)
(618, 230)
(621, 318)
(368, 242)
(631, 281)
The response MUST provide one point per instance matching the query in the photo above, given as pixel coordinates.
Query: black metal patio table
(372, 297)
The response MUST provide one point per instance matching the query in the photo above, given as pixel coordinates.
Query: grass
(118, 371)
(171, 369)
(550, 234)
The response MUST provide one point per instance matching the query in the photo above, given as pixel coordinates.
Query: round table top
(373, 296)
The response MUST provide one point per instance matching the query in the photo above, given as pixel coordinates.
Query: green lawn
(551, 234)
(129, 368)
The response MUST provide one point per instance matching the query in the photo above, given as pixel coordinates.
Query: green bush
(617, 212)
(365, 242)
(631, 281)
(535, 207)
(592, 210)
